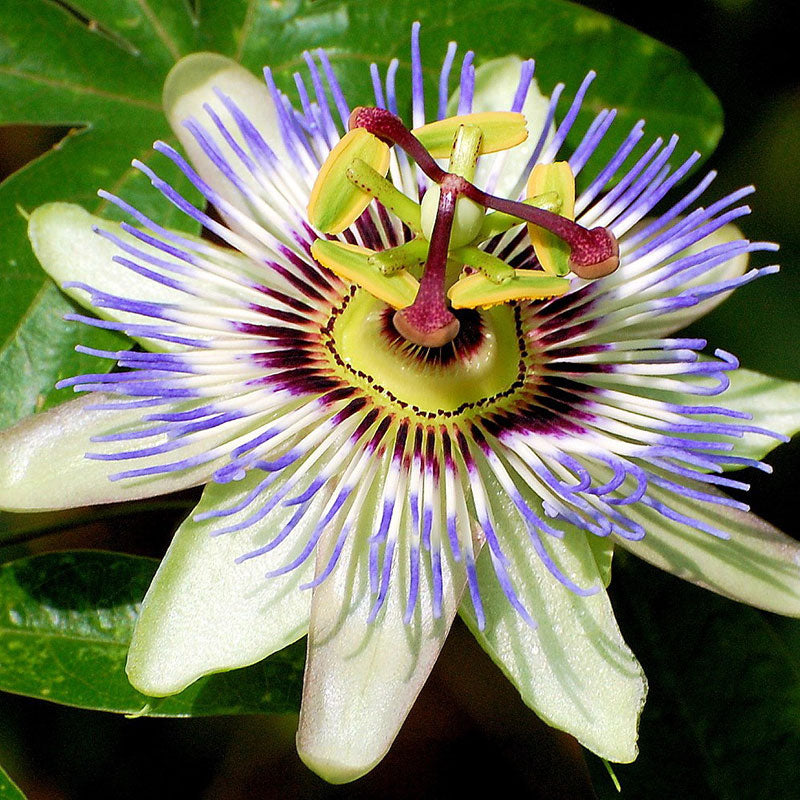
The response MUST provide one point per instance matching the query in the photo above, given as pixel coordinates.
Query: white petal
(669, 323)
(574, 670)
(205, 613)
(495, 86)
(758, 565)
(362, 678)
(189, 86)
(43, 465)
(69, 250)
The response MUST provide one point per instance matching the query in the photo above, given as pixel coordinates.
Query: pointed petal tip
(48, 219)
(330, 766)
(148, 682)
(204, 614)
(192, 72)
(361, 679)
(78, 250)
(43, 464)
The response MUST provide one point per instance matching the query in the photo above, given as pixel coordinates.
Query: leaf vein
(80, 88)
(249, 20)
(28, 312)
(159, 30)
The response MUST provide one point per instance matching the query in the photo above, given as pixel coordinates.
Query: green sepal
(204, 612)
(65, 625)
(43, 464)
(770, 403)
(758, 565)
(574, 669)
(602, 548)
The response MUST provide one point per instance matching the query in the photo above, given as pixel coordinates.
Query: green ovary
(488, 369)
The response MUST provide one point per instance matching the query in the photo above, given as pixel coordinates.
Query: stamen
(593, 253)
(385, 192)
(405, 256)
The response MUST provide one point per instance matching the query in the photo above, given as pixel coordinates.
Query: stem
(464, 155)
(428, 321)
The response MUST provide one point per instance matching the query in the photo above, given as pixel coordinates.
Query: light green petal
(496, 83)
(603, 552)
(362, 678)
(205, 613)
(677, 320)
(758, 565)
(68, 249)
(191, 84)
(43, 468)
(574, 670)
(773, 403)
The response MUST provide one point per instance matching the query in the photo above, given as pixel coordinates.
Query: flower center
(483, 361)
(450, 224)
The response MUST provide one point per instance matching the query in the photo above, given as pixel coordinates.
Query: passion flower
(404, 383)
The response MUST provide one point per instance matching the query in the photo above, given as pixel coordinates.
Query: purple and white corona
(421, 374)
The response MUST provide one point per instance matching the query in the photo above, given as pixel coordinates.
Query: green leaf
(55, 69)
(65, 625)
(722, 720)
(98, 66)
(8, 789)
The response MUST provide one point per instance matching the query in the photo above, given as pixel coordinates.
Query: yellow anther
(336, 202)
(501, 130)
(478, 291)
(552, 252)
(351, 262)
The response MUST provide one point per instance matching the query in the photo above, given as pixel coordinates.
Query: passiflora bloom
(412, 389)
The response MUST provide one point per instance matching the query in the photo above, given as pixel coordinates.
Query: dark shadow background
(468, 733)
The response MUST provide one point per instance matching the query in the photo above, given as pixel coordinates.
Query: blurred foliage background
(723, 716)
